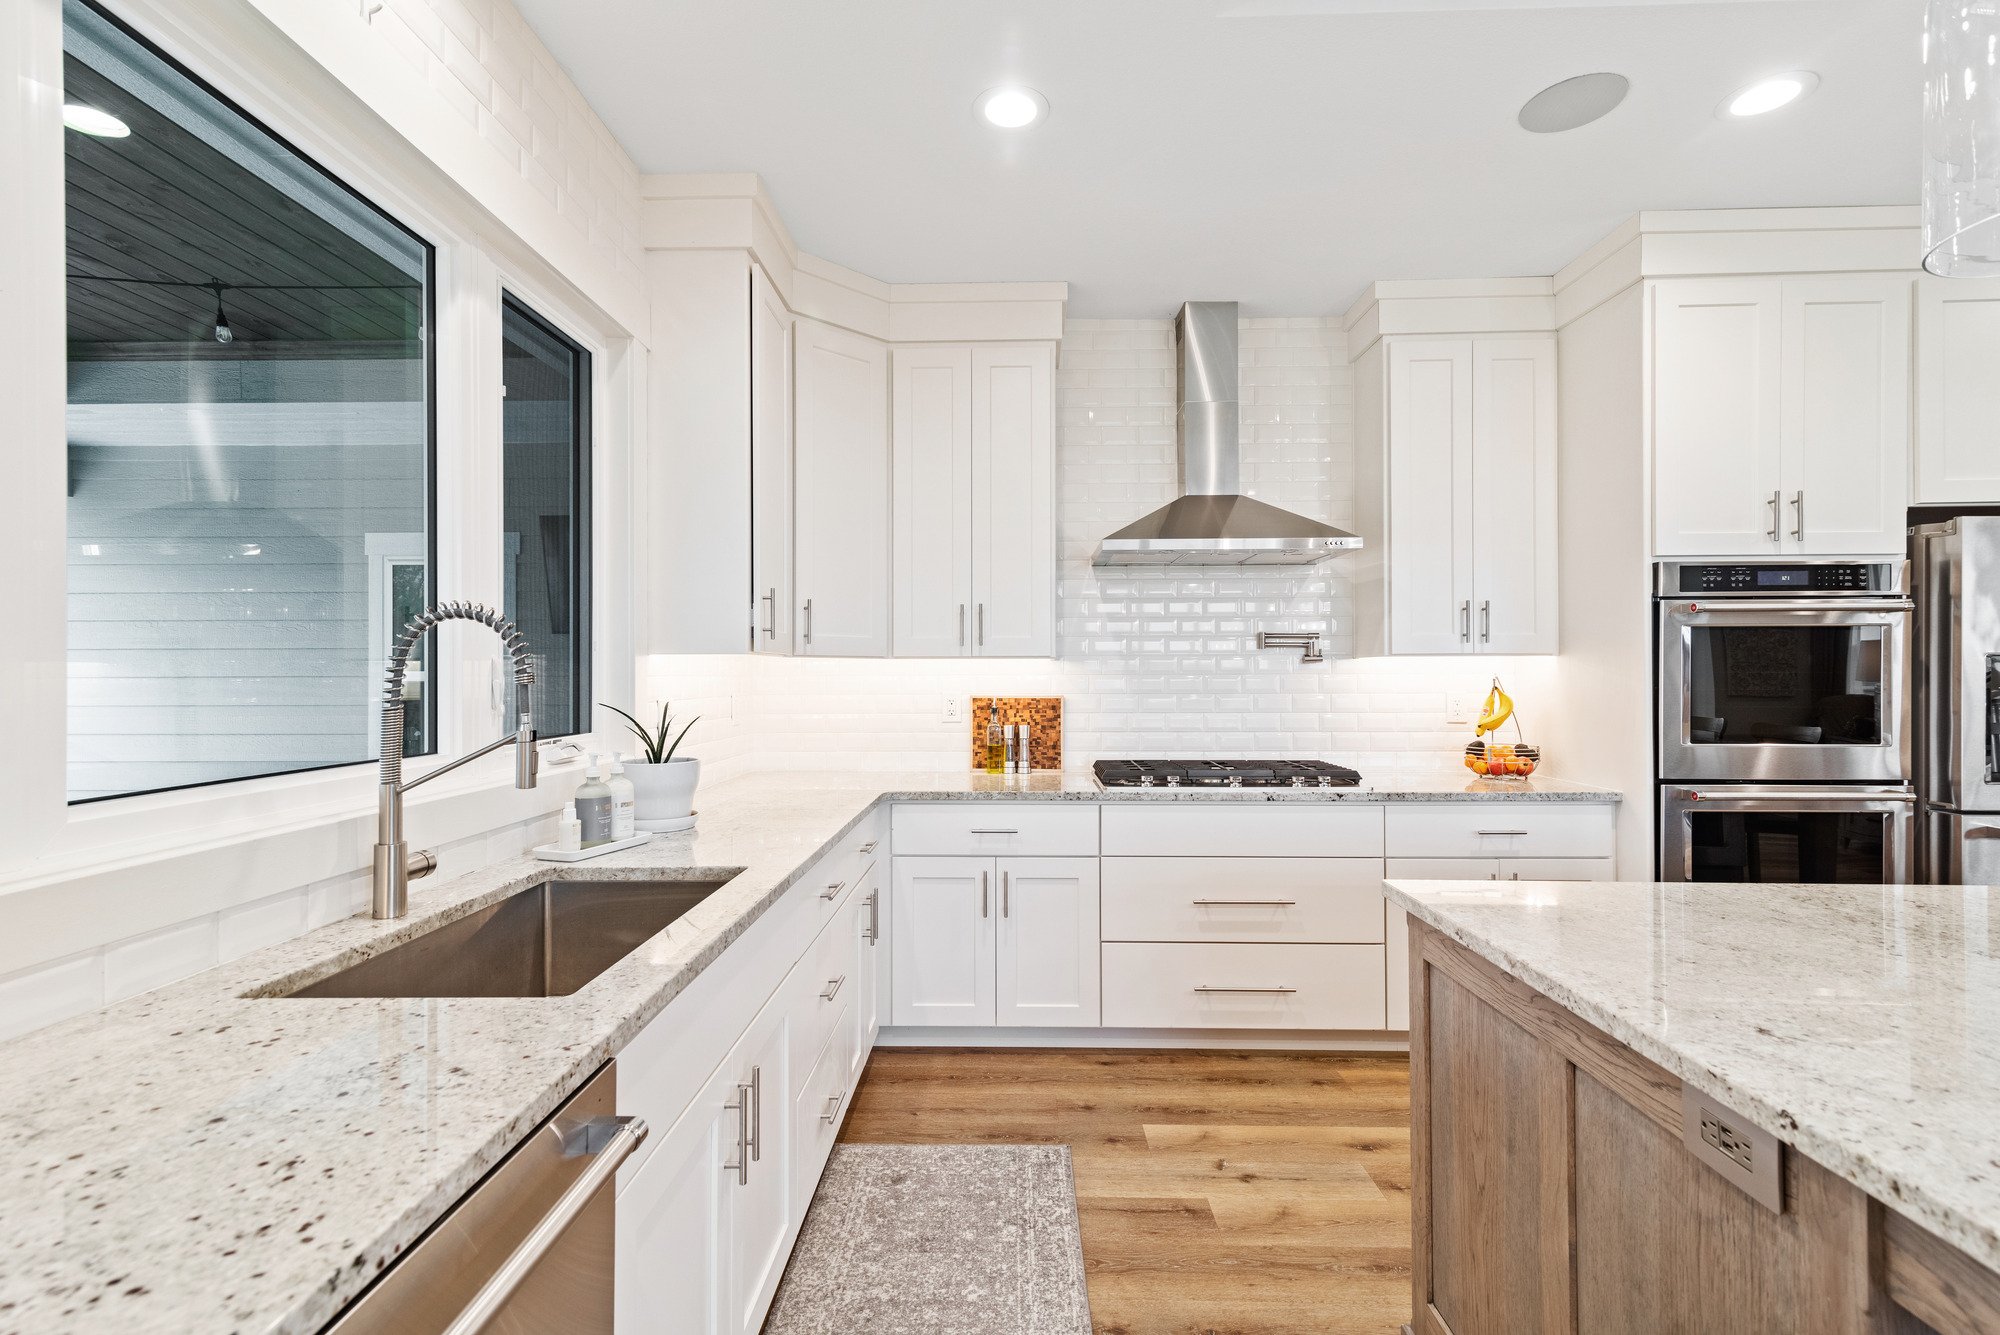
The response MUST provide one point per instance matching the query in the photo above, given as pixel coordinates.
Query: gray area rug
(938, 1240)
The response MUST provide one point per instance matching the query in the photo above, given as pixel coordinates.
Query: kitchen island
(1648, 1108)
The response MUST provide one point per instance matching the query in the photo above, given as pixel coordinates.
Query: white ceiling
(1282, 153)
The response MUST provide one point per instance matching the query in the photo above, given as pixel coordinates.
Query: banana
(1498, 709)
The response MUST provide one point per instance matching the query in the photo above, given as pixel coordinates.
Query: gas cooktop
(1223, 774)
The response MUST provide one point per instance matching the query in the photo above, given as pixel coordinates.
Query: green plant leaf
(682, 737)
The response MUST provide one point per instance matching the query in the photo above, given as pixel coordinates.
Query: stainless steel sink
(545, 941)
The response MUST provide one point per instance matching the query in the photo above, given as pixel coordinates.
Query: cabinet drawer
(830, 967)
(1244, 829)
(819, 1107)
(833, 877)
(1501, 830)
(1182, 986)
(1242, 899)
(997, 829)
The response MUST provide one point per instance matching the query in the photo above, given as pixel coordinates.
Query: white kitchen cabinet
(759, 1208)
(870, 968)
(841, 491)
(986, 941)
(1958, 394)
(1217, 985)
(974, 558)
(1046, 951)
(933, 500)
(770, 467)
(943, 940)
(1780, 415)
(1467, 510)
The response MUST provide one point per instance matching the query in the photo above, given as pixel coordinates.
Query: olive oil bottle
(996, 740)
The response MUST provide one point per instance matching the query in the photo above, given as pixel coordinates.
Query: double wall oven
(1784, 710)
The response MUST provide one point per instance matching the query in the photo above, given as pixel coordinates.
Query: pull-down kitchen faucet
(395, 865)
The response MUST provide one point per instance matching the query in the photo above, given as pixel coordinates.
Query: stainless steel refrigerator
(1956, 566)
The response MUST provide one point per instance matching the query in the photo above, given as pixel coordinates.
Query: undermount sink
(545, 941)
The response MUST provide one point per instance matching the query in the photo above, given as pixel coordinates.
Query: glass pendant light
(1962, 138)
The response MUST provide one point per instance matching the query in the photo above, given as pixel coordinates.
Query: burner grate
(1224, 774)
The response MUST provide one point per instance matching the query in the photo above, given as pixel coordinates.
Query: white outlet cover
(954, 709)
(1457, 709)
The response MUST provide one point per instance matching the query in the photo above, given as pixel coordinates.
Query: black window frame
(430, 452)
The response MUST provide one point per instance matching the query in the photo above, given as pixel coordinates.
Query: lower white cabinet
(995, 941)
(1214, 985)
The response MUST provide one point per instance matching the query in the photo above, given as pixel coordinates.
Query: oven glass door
(1782, 838)
(1783, 693)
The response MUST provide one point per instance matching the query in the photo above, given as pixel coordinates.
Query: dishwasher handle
(611, 1140)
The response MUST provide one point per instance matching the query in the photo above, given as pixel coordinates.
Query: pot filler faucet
(395, 864)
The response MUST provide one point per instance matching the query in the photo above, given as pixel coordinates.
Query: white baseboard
(1249, 1040)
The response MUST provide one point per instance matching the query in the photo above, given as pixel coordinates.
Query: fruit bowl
(1502, 760)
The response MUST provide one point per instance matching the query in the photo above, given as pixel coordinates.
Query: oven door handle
(1683, 607)
(1828, 797)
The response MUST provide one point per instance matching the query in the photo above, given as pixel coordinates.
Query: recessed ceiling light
(1573, 102)
(89, 120)
(1012, 108)
(1780, 90)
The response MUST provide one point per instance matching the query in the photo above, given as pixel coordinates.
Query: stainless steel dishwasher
(529, 1250)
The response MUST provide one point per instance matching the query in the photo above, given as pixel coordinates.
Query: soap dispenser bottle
(624, 801)
(593, 806)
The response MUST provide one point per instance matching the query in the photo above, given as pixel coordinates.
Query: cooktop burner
(1224, 774)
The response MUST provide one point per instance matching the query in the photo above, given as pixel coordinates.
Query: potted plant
(662, 783)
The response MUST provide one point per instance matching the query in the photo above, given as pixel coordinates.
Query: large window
(250, 437)
(546, 426)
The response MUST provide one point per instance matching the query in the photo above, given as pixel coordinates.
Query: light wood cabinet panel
(841, 498)
(1846, 414)
(1958, 394)
(1013, 501)
(943, 941)
(1046, 966)
(770, 467)
(933, 500)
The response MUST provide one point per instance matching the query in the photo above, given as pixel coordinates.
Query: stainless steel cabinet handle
(832, 988)
(833, 1102)
(833, 891)
(771, 620)
(1799, 515)
(809, 621)
(494, 1293)
(867, 848)
(995, 832)
(1465, 621)
(1777, 498)
(961, 625)
(982, 625)
(1499, 832)
(874, 916)
(982, 895)
(757, 1112)
(1272, 991)
(1485, 622)
(1270, 903)
(741, 1166)
(1004, 897)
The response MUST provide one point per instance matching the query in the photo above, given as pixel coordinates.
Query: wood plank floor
(1221, 1193)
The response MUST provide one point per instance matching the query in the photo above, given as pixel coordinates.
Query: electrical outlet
(1457, 708)
(954, 709)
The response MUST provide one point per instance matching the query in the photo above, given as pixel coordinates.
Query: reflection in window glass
(545, 421)
(249, 437)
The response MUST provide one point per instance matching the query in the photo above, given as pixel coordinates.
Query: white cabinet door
(1048, 942)
(1430, 559)
(943, 940)
(868, 915)
(1715, 412)
(1396, 931)
(1846, 415)
(671, 1275)
(1958, 394)
(932, 389)
(840, 491)
(1514, 495)
(759, 1209)
(770, 467)
(1013, 500)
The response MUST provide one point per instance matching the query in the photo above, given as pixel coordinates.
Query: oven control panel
(1796, 577)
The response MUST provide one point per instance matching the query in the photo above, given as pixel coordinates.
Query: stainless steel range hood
(1213, 524)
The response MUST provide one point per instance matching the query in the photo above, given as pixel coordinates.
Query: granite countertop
(203, 1158)
(1860, 1024)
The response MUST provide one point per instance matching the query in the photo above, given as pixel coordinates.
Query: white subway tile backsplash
(143, 963)
(52, 992)
(260, 923)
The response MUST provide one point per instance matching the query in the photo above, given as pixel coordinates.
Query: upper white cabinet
(974, 558)
(1780, 415)
(840, 491)
(1958, 392)
(770, 466)
(1462, 496)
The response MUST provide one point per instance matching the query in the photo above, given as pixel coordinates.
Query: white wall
(1151, 663)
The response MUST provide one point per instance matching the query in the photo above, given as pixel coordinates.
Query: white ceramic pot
(666, 791)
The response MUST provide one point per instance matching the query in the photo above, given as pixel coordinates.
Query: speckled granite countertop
(1858, 1023)
(197, 1159)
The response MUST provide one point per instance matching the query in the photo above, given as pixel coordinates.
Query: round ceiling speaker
(1573, 102)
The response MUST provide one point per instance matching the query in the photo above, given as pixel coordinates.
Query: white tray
(550, 853)
(667, 826)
